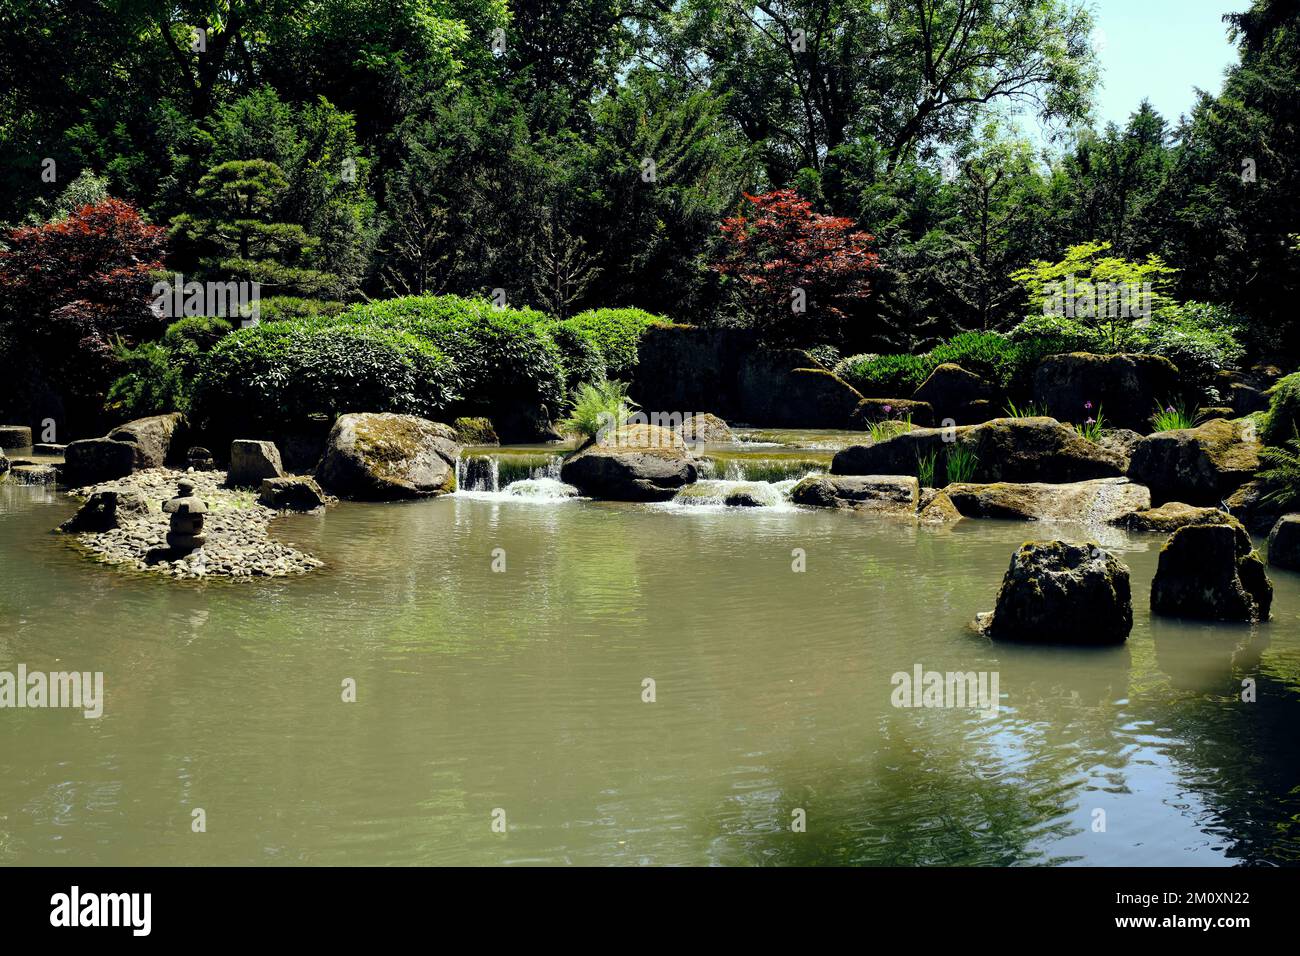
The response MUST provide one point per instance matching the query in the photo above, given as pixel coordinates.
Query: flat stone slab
(15, 436)
(1098, 501)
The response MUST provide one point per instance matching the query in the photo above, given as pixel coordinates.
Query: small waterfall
(478, 473)
(533, 476)
(770, 470)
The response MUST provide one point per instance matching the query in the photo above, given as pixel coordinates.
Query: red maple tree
(76, 286)
(785, 256)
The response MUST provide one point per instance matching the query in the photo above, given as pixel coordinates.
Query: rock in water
(104, 510)
(939, 510)
(251, 462)
(15, 436)
(1284, 543)
(381, 456)
(152, 438)
(1098, 501)
(1055, 592)
(92, 461)
(705, 428)
(1212, 573)
(1200, 466)
(291, 493)
(635, 463)
(1170, 517)
(882, 494)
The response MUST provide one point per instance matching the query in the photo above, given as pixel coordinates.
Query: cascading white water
(512, 477)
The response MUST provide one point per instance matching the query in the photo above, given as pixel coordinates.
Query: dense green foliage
(1283, 411)
(276, 376)
(614, 333)
(598, 407)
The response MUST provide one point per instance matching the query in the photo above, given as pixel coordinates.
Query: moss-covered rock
(1126, 388)
(954, 393)
(1057, 592)
(1201, 465)
(705, 428)
(1169, 517)
(634, 463)
(1094, 502)
(1211, 572)
(475, 431)
(380, 456)
(1284, 543)
(881, 494)
(939, 509)
(872, 410)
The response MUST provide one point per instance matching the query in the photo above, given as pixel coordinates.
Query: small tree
(788, 260)
(236, 235)
(74, 289)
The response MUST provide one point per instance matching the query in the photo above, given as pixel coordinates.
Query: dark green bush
(201, 331)
(280, 308)
(275, 376)
(152, 382)
(583, 361)
(990, 355)
(615, 332)
(504, 358)
(885, 376)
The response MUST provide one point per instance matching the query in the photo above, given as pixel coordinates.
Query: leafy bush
(504, 358)
(616, 333)
(1282, 476)
(152, 383)
(275, 376)
(598, 406)
(885, 376)
(1283, 411)
(200, 331)
(1198, 337)
(583, 361)
(990, 355)
(278, 308)
(827, 356)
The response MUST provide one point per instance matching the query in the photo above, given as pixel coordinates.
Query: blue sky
(1161, 50)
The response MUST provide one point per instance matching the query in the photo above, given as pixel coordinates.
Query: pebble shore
(238, 542)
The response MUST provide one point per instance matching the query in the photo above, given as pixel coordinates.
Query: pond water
(521, 691)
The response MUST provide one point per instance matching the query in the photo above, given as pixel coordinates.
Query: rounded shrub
(200, 331)
(583, 362)
(275, 376)
(504, 358)
(990, 355)
(616, 333)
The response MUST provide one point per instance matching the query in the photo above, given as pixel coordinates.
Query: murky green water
(522, 691)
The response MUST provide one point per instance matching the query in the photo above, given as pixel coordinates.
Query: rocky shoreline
(239, 544)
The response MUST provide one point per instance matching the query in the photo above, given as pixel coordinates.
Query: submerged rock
(106, 509)
(1056, 592)
(1170, 517)
(882, 494)
(634, 463)
(1284, 543)
(381, 456)
(1005, 449)
(1097, 501)
(1124, 388)
(1211, 572)
(253, 461)
(1200, 465)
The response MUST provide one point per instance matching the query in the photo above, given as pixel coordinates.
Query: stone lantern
(187, 513)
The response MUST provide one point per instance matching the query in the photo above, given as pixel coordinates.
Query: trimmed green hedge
(275, 376)
(615, 333)
(504, 358)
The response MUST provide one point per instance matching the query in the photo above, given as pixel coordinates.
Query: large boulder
(1284, 543)
(92, 461)
(1006, 449)
(1120, 441)
(381, 456)
(105, 509)
(880, 494)
(15, 436)
(1169, 517)
(1056, 592)
(872, 410)
(153, 438)
(1211, 572)
(706, 429)
(781, 388)
(633, 463)
(1199, 466)
(1127, 389)
(954, 393)
(1097, 501)
(253, 461)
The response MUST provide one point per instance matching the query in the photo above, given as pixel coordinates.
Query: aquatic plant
(598, 406)
(925, 467)
(889, 427)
